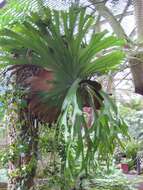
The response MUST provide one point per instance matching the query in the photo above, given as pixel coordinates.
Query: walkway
(138, 179)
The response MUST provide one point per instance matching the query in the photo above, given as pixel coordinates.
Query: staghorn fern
(56, 40)
(16, 10)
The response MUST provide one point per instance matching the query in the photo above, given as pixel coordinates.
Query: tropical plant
(16, 10)
(133, 116)
(64, 45)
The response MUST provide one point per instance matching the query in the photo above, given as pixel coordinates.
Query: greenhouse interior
(71, 94)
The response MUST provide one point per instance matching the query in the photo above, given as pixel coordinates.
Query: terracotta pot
(125, 168)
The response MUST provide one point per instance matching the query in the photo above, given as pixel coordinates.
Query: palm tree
(53, 57)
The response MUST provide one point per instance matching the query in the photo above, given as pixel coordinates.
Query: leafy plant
(132, 112)
(112, 181)
(3, 158)
(131, 149)
(65, 43)
(16, 10)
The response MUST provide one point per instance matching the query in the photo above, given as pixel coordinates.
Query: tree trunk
(136, 66)
(27, 109)
(137, 63)
(24, 147)
(138, 13)
(23, 133)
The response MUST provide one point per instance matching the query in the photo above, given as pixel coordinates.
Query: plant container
(125, 168)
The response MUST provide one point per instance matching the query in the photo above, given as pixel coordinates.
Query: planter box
(125, 168)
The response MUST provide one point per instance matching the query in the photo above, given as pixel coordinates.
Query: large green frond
(65, 43)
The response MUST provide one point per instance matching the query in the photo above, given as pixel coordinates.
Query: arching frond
(64, 43)
(16, 10)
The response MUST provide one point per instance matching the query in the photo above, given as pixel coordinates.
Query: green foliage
(52, 155)
(2, 108)
(114, 181)
(132, 112)
(19, 146)
(3, 158)
(16, 10)
(64, 42)
(131, 149)
(51, 147)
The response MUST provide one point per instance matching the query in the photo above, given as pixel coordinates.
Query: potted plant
(125, 165)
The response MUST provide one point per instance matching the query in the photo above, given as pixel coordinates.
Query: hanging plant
(64, 53)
